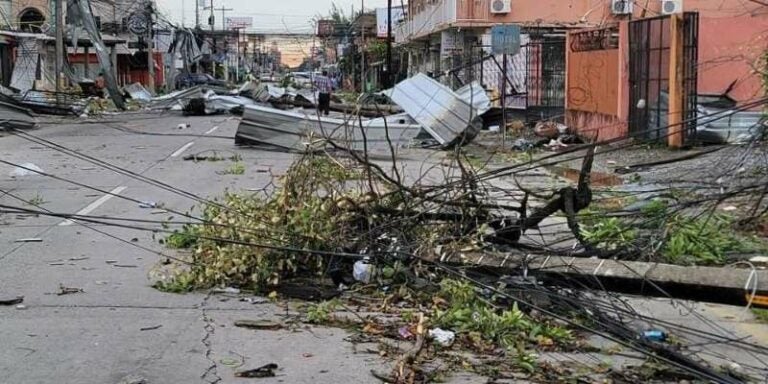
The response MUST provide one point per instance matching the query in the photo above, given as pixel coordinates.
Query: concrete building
(443, 35)
(26, 15)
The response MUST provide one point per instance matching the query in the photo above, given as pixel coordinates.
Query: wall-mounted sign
(505, 39)
(238, 22)
(381, 20)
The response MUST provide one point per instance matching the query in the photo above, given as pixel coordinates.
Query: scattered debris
(405, 333)
(63, 290)
(442, 337)
(152, 328)
(262, 325)
(137, 92)
(255, 300)
(363, 271)
(21, 307)
(227, 290)
(11, 301)
(26, 169)
(655, 335)
(267, 370)
(29, 240)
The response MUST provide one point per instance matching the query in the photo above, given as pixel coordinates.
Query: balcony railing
(435, 17)
(427, 21)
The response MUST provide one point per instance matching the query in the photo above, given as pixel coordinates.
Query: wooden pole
(676, 86)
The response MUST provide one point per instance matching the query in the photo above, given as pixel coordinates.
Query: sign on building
(505, 39)
(238, 22)
(325, 28)
(451, 41)
(381, 20)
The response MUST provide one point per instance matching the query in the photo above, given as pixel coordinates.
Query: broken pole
(733, 286)
(676, 86)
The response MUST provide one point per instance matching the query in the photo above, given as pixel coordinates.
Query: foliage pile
(465, 312)
(673, 235)
(306, 212)
(321, 205)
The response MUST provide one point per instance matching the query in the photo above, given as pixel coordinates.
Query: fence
(535, 77)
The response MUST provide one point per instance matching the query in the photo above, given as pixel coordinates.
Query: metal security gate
(546, 76)
(649, 61)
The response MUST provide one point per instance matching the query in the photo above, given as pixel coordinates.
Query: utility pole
(677, 95)
(151, 49)
(59, 43)
(226, 52)
(197, 13)
(362, 45)
(223, 19)
(212, 18)
(389, 44)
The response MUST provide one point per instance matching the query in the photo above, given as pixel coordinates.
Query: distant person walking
(324, 86)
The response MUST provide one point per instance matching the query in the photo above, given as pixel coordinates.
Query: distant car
(266, 76)
(302, 79)
(193, 79)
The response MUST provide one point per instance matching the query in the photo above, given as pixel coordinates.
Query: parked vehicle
(267, 76)
(302, 79)
(193, 79)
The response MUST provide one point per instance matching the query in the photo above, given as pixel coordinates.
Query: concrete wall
(597, 89)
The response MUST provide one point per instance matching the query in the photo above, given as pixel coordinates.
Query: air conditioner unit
(622, 7)
(501, 6)
(669, 7)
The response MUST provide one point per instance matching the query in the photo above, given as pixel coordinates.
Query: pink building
(732, 36)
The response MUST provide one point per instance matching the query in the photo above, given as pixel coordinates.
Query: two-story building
(444, 36)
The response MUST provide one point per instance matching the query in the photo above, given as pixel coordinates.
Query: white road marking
(212, 130)
(182, 149)
(92, 207)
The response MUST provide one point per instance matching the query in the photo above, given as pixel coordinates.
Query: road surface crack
(211, 374)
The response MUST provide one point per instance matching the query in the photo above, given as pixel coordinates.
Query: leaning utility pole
(151, 49)
(389, 44)
(59, 67)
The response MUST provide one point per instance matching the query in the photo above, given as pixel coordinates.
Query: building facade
(442, 35)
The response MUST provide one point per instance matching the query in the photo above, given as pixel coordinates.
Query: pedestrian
(324, 87)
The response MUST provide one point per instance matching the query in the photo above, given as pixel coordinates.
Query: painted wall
(597, 89)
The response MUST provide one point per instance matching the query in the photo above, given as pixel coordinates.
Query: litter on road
(267, 370)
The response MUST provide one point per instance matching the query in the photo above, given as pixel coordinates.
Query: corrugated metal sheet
(440, 111)
(474, 94)
(294, 128)
(27, 61)
(739, 127)
(12, 116)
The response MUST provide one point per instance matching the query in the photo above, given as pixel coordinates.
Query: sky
(294, 16)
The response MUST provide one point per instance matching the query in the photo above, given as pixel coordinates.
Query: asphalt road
(96, 336)
(121, 330)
